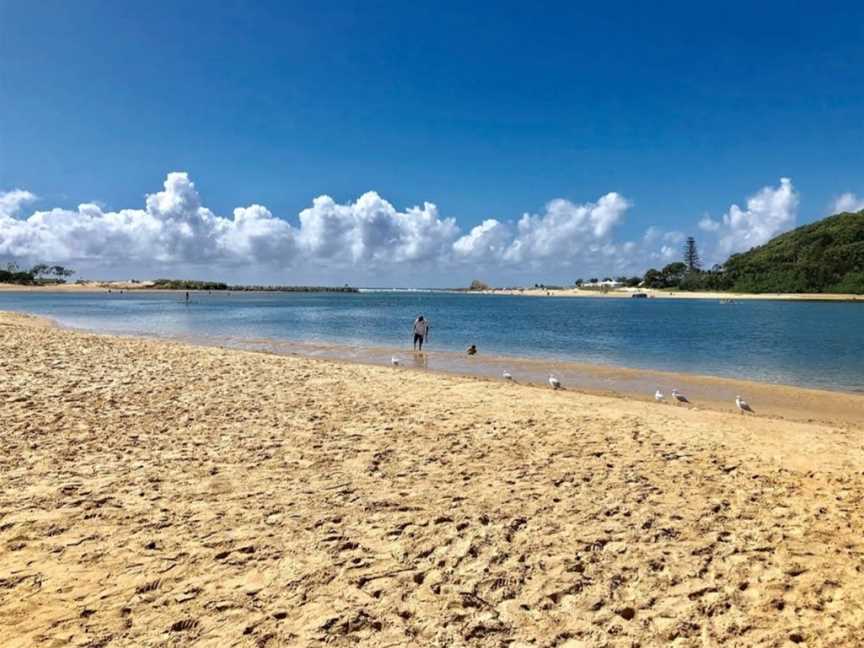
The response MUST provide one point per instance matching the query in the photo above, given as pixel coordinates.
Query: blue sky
(487, 111)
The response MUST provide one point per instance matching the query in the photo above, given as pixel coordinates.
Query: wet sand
(160, 493)
(705, 392)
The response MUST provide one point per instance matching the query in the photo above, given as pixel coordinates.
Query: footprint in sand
(150, 586)
(183, 625)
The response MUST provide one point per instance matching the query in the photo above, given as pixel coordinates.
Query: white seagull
(507, 375)
(743, 406)
(394, 361)
(659, 395)
(554, 383)
(678, 396)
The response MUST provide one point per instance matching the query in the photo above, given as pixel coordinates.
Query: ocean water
(814, 344)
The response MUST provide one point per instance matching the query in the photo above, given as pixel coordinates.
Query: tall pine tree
(691, 255)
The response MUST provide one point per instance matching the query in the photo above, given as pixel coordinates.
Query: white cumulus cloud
(371, 230)
(486, 242)
(567, 228)
(708, 224)
(847, 202)
(175, 228)
(256, 234)
(11, 202)
(565, 232)
(769, 212)
(657, 248)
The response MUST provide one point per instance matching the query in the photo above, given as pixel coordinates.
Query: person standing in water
(421, 332)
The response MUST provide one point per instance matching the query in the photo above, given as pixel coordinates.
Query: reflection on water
(420, 360)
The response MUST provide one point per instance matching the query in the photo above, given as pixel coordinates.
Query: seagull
(507, 375)
(554, 382)
(394, 361)
(659, 395)
(678, 396)
(743, 406)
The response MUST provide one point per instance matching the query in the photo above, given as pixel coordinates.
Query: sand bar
(627, 293)
(146, 286)
(167, 494)
(89, 286)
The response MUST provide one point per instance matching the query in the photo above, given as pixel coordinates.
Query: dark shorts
(418, 338)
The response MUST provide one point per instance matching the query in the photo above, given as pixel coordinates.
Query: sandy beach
(627, 293)
(89, 286)
(833, 407)
(165, 494)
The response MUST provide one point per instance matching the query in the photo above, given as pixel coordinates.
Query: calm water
(811, 344)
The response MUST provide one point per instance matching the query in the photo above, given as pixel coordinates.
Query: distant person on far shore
(421, 332)
(471, 350)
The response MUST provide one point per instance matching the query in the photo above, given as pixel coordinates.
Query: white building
(601, 284)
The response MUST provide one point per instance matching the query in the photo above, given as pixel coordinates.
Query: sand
(85, 287)
(627, 293)
(162, 494)
(834, 407)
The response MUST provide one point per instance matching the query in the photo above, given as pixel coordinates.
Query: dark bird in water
(678, 396)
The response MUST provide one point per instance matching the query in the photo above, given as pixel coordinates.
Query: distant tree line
(688, 274)
(39, 274)
(678, 276)
(826, 256)
(188, 284)
(624, 281)
(191, 284)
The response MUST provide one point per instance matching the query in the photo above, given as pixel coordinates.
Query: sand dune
(157, 494)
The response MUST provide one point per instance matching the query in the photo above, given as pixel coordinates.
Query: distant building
(609, 283)
(606, 284)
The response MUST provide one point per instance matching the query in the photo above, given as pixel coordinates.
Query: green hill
(825, 256)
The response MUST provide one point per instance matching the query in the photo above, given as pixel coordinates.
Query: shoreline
(706, 392)
(98, 287)
(148, 287)
(653, 293)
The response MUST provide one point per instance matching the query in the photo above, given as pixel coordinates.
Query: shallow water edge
(704, 392)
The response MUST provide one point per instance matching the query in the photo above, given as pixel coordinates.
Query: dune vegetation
(823, 257)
